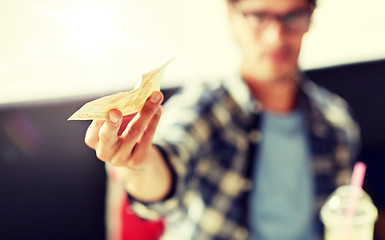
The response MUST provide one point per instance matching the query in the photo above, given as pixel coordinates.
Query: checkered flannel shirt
(208, 135)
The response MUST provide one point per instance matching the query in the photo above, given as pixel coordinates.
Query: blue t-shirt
(282, 199)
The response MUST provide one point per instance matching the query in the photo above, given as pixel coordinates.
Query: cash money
(127, 102)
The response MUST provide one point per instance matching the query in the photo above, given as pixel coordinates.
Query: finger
(136, 127)
(125, 121)
(92, 134)
(149, 133)
(140, 122)
(108, 135)
(145, 142)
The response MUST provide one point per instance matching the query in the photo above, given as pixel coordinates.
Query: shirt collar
(241, 94)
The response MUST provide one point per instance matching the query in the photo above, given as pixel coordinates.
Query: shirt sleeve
(183, 129)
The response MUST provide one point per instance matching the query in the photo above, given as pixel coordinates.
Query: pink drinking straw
(358, 174)
(356, 183)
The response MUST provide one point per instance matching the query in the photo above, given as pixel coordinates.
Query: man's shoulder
(333, 108)
(323, 97)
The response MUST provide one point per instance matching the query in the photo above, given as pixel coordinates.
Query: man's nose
(273, 34)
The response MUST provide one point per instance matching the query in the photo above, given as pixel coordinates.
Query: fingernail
(159, 111)
(155, 97)
(113, 118)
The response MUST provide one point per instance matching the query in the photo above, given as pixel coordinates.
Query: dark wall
(52, 186)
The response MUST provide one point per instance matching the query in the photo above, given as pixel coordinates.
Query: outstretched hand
(122, 140)
(126, 143)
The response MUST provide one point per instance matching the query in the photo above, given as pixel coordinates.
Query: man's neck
(277, 96)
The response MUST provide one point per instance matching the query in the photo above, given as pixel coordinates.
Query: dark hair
(312, 2)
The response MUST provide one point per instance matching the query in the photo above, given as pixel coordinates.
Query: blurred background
(57, 55)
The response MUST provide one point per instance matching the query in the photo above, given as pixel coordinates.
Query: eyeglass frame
(283, 19)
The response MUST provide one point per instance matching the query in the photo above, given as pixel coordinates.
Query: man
(252, 157)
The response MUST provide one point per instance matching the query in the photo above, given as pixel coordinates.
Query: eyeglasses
(296, 21)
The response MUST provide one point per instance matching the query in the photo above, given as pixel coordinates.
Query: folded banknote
(127, 102)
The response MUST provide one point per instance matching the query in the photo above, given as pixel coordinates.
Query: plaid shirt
(208, 135)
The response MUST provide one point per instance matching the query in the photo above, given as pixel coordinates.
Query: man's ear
(228, 9)
(230, 15)
(311, 18)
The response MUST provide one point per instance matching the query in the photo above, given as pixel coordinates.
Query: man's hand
(126, 143)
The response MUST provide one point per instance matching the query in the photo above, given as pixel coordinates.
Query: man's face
(269, 33)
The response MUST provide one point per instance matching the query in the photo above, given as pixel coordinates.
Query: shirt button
(255, 136)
